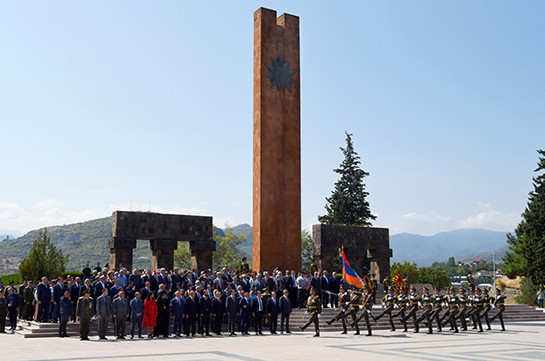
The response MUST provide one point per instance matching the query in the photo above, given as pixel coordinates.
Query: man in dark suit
(285, 311)
(191, 310)
(177, 313)
(137, 314)
(324, 283)
(44, 298)
(204, 314)
(231, 309)
(217, 312)
(74, 295)
(65, 311)
(58, 292)
(146, 290)
(86, 287)
(104, 312)
(244, 312)
(149, 278)
(257, 313)
(162, 278)
(334, 287)
(120, 311)
(272, 311)
(316, 282)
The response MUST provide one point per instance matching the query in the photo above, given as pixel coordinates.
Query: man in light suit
(137, 314)
(285, 311)
(104, 312)
(121, 311)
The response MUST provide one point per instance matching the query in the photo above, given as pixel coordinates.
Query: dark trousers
(402, 314)
(13, 318)
(136, 322)
(273, 323)
(29, 311)
(285, 318)
(244, 323)
(425, 316)
(73, 317)
(56, 312)
(499, 315)
(313, 319)
(43, 312)
(325, 299)
(177, 325)
(84, 324)
(301, 297)
(204, 322)
(435, 316)
(3, 322)
(191, 326)
(411, 314)
(62, 326)
(387, 311)
(103, 326)
(462, 317)
(120, 326)
(232, 321)
(258, 320)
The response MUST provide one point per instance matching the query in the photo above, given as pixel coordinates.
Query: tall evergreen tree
(347, 204)
(526, 255)
(44, 259)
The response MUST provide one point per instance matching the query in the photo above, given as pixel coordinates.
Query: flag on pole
(349, 275)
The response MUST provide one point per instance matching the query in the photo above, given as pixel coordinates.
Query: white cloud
(432, 223)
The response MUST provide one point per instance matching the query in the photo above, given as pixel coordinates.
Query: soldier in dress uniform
(402, 303)
(452, 302)
(344, 303)
(476, 309)
(353, 308)
(414, 300)
(3, 312)
(499, 304)
(84, 312)
(462, 308)
(486, 307)
(244, 267)
(427, 306)
(437, 300)
(471, 281)
(388, 303)
(28, 299)
(366, 312)
(314, 308)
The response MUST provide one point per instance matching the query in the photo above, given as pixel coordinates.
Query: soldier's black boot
(392, 324)
(357, 329)
(344, 329)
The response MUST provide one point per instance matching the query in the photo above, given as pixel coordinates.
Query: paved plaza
(521, 341)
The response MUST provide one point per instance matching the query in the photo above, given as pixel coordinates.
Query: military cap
(462, 290)
(485, 290)
(390, 288)
(426, 289)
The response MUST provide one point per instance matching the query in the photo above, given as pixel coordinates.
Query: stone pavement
(521, 341)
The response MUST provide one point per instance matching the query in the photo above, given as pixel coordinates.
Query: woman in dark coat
(163, 314)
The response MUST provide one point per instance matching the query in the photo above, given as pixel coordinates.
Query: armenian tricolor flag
(349, 275)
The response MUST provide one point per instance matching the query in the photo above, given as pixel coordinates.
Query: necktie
(260, 304)
(123, 302)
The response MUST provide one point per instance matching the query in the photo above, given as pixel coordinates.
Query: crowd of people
(186, 302)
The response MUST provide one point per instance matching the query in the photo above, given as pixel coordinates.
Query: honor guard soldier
(414, 300)
(476, 309)
(486, 307)
(84, 312)
(499, 304)
(437, 300)
(427, 306)
(244, 267)
(353, 308)
(388, 302)
(452, 302)
(366, 310)
(344, 304)
(314, 308)
(462, 308)
(402, 303)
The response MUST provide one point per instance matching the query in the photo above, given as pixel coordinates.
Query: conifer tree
(526, 255)
(44, 259)
(347, 204)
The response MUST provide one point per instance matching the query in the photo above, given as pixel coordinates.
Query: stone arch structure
(358, 242)
(164, 231)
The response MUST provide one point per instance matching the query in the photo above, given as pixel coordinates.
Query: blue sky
(148, 106)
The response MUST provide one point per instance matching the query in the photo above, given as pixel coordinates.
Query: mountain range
(86, 242)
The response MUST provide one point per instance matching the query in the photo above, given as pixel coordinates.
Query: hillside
(82, 242)
(424, 250)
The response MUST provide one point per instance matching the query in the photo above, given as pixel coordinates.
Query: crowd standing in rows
(185, 302)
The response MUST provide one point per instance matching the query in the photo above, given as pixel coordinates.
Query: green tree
(526, 255)
(306, 250)
(347, 204)
(44, 259)
(182, 256)
(405, 269)
(227, 253)
(435, 277)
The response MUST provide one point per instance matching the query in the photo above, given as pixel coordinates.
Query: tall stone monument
(277, 142)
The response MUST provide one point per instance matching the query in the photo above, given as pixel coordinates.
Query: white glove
(318, 316)
(361, 306)
(306, 312)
